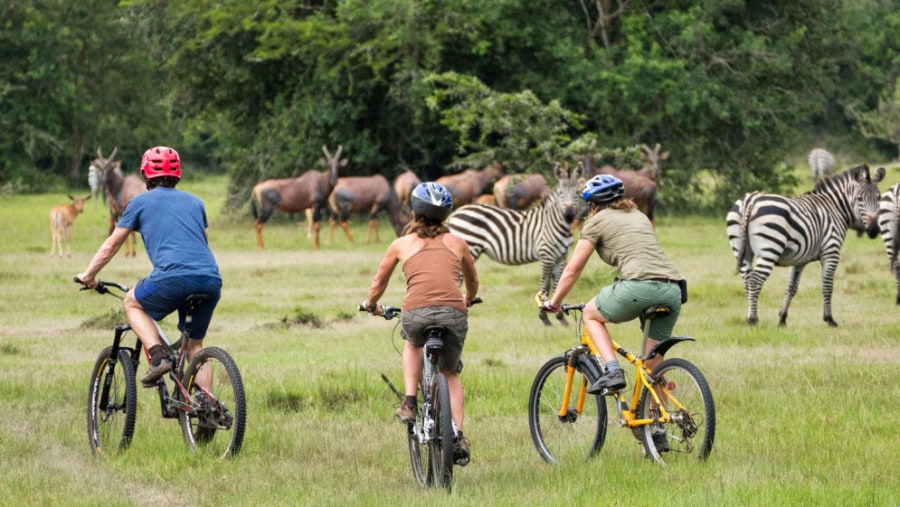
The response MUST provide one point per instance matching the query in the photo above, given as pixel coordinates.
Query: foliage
(734, 90)
(884, 122)
(513, 128)
(69, 77)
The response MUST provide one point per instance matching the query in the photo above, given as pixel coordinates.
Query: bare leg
(595, 323)
(204, 376)
(412, 367)
(141, 323)
(457, 405)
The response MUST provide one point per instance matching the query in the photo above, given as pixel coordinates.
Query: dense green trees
(730, 88)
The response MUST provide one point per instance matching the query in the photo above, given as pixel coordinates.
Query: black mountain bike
(432, 437)
(207, 395)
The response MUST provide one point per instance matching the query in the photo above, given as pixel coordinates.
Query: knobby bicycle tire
(440, 446)
(691, 433)
(216, 425)
(112, 403)
(575, 436)
(416, 453)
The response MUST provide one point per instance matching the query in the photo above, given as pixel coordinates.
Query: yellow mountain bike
(670, 409)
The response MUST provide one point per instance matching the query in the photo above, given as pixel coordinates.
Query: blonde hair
(623, 204)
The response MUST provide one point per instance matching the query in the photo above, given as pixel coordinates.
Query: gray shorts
(455, 321)
(625, 300)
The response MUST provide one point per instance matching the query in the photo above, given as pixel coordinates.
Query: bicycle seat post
(647, 317)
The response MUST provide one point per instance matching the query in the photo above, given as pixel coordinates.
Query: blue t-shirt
(173, 226)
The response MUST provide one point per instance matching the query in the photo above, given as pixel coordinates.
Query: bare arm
(382, 276)
(104, 254)
(583, 250)
(470, 276)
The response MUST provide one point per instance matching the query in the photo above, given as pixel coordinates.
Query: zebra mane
(851, 174)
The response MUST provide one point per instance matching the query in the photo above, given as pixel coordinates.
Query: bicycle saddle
(656, 311)
(195, 300)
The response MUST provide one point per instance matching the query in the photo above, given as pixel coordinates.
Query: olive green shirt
(627, 241)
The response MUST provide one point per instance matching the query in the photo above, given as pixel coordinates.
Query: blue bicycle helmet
(603, 189)
(431, 200)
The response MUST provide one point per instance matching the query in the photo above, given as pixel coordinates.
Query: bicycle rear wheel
(572, 436)
(440, 445)
(216, 421)
(112, 403)
(414, 442)
(690, 433)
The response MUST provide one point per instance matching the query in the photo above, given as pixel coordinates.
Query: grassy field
(804, 412)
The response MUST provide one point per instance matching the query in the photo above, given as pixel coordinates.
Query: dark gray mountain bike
(207, 395)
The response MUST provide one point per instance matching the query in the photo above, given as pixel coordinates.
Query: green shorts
(625, 300)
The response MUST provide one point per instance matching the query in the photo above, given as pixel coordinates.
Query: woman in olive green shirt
(624, 238)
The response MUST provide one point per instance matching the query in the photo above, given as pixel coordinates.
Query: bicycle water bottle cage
(656, 311)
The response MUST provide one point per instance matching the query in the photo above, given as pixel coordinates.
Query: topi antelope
(61, 219)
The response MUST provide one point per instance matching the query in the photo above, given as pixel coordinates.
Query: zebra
(541, 233)
(889, 224)
(821, 163)
(775, 230)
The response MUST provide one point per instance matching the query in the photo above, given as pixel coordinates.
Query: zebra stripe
(821, 163)
(541, 233)
(889, 224)
(769, 230)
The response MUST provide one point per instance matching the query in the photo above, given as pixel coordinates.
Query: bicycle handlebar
(390, 312)
(566, 308)
(103, 286)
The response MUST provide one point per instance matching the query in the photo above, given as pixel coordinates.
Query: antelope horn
(326, 152)
(113, 154)
(99, 153)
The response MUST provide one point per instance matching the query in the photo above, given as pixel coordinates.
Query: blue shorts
(162, 297)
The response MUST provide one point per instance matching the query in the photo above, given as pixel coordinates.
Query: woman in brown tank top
(433, 261)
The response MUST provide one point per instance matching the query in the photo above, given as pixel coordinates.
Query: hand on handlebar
(88, 281)
(376, 310)
(547, 307)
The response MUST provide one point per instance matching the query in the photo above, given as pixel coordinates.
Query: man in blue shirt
(173, 227)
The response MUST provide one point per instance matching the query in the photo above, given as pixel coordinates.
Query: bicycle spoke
(215, 423)
(574, 435)
(690, 430)
(112, 403)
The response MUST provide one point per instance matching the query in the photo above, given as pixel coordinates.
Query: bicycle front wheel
(686, 396)
(440, 443)
(581, 431)
(112, 403)
(216, 420)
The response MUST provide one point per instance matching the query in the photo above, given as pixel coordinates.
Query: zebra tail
(746, 253)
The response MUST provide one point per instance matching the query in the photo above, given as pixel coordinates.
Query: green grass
(805, 413)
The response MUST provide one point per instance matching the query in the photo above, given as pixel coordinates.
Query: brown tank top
(433, 276)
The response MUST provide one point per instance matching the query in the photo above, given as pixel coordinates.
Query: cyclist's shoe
(406, 414)
(660, 440)
(461, 452)
(609, 381)
(156, 372)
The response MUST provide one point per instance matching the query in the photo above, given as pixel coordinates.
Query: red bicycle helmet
(161, 161)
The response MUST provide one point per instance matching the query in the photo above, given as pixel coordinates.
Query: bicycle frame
(627, 410)
(168, 403)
